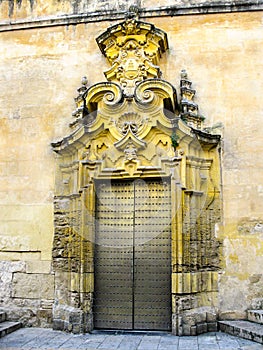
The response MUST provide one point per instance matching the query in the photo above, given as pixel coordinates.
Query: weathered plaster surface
(40, 71)
(21, 14)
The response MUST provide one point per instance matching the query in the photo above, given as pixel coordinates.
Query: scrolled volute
(108, 92)
(144, 95)
(149, 90)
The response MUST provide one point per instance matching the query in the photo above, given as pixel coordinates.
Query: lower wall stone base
(27, 292)
(194, 322)
(29, 317)
(70, 319)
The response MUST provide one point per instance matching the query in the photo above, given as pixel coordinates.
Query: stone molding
(204, 8)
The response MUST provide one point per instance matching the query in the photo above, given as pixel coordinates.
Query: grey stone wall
(27, 296)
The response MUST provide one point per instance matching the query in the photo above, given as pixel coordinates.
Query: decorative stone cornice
(164, 11)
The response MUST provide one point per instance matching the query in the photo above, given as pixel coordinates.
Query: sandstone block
(33, 286)
(38, 267)
(212, 327)
(211, 317)
(12, 266)
(201, 328)
(193, 330)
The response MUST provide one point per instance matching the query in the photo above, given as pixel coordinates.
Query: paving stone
(5, 345)
(243, 342)
(168, 341)
(20, 335)
(186, 343)
(130, 342)
(88, 346)
(98, 337)
(147, 346)
(111, 342)
(208, 343)
(149, 342)
(168, 346)
(85, 346)
(92, 341)
(71, 342)
(36, 338)
(228, 345)
(41, 341)
(187, 346)
(128, 346)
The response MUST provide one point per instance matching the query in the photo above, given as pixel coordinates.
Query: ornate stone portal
(132, 127)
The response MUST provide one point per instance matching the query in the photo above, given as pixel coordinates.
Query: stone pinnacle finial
(183, 74)
(190, 113)
(84, 81)
(133, 12)
(81, 109)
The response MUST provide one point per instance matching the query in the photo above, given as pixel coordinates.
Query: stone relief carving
(130, 151)
(135, 104)
(129, 122)
(133, 49)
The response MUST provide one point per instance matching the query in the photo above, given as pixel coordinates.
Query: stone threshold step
(7, 327)
(255, 316)
(244, 329)
(2, 316)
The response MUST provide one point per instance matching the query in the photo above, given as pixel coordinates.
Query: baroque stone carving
(130, 151)
(133, 126)
(129, 122)
(189, 109)
(133, 49)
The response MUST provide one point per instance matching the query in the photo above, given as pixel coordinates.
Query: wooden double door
(133, 255)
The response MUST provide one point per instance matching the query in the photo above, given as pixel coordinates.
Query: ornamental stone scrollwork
(89, 97)
(129, 122)
(133, 49)
(130, 139)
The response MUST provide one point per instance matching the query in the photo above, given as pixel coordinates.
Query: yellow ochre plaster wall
(40, 70)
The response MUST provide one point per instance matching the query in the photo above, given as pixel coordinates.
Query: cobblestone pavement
(39, 338)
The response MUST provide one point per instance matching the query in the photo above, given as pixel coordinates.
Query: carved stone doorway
(127, 132)
(133, 255)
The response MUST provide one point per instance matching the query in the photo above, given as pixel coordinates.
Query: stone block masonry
(24, 296)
